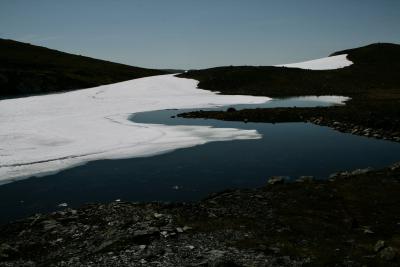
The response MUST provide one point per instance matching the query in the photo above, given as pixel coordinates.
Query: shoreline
(323, 116)
(350, 219)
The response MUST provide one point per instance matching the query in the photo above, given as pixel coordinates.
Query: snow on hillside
(42, 134)
(327, 63)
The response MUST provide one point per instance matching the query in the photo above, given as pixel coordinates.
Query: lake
(285, 149)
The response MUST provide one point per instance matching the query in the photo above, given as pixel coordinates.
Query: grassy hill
(28, 69)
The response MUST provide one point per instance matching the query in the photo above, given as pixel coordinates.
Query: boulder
(379, 245)
(303, 179)
(388, 254)
(273, 180)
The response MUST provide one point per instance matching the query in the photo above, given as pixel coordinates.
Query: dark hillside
(375, 66)
(29, 69)
(373, 83)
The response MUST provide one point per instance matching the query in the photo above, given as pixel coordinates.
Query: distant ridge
(376, 66)
(27, 69)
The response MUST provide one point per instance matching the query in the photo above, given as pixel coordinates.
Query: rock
(231, 109)
(222, 263)
(303, 179)
(395, 166)
(7, 251)
(73, 212)
(273, 180)
(388, 254)
(361, 171)
(158, 215)
(333, 176)
(203, 263)
(49, 225)
(179, 230)
(62, 205)
(164, 233)
(216, 259)
(379, 246)
(367, 230)
(187, 228)
(104, 245)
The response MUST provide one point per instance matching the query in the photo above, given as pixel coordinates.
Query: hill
(372, 82)
(375, 66)
(29, 69)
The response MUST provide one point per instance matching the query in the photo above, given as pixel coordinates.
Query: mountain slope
(376, 66)
(372, 82)
(29, 69)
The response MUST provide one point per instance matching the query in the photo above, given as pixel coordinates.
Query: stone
(388, 254)
(273, 180)
(222, 263)
(6, 251)
(49, 225)
(367, 230)
(187, 228)
(231, 109)
(105, 245)
(379, 245)
(361, 171)
(158, 215)
(303, 179)
(395, 166)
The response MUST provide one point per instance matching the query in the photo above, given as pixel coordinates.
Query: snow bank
(44, 134)
(327, 63)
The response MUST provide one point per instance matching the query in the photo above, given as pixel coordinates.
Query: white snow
(44, 134)
(327, 63)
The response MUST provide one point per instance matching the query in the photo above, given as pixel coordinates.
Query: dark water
(290, 149)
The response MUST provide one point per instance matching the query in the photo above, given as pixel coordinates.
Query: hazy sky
(201, 33)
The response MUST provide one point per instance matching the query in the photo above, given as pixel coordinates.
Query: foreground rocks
(352, 219)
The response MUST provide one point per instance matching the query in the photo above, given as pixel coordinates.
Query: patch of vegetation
(28, 69)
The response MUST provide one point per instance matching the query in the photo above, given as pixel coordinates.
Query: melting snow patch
(327, 63)
(44, 134)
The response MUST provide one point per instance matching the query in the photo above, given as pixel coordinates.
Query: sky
(187, 34)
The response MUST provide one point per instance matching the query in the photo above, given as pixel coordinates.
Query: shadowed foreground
(352, 219)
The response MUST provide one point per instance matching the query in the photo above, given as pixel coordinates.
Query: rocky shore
(334, 117)
(351, 219)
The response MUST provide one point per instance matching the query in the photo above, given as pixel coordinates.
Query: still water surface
(289, 149)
